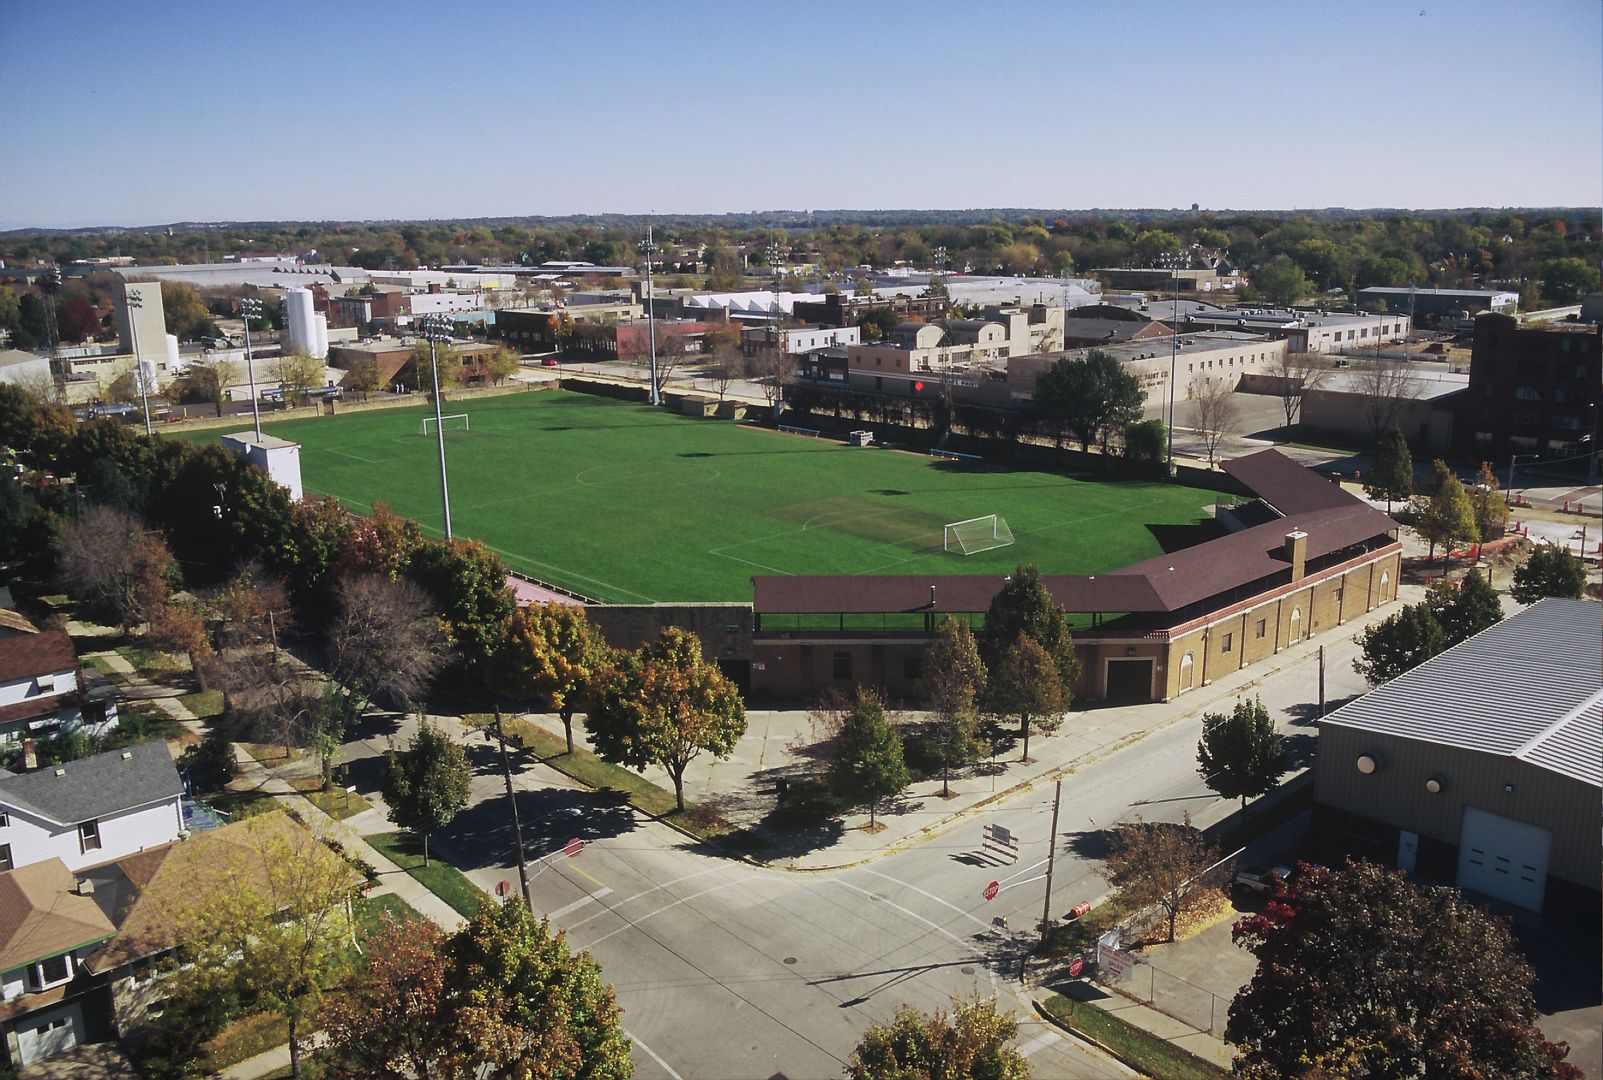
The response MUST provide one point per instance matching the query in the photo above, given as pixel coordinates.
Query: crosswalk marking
(568, 909)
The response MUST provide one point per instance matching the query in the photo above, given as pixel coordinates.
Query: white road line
(1035, 1045)
(568, 909)
(981, 923)
(989, 974)
(667, 1068)
(634, 923)
(647, 892)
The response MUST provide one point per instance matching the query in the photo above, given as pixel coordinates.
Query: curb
(1041, 1011)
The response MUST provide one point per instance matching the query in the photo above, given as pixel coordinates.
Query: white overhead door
(1504, 858)
(50, 1032)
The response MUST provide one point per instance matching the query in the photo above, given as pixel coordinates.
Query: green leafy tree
(1023, 607)
(211, 381)
(261, 919)
(185, 312)
(1565, 281)
(954, 681)
(972, 1043)
(550, 655)
(1448, 518)
(1241, 753)
(1491, 512)
(426, 784)
(529, 1005)
(418, 373)
(1281, 281)
(1145, 447)
(1026, 686)
(468, 583)
(863, 287)
(297, 374)
(1092, 398)
(1465, 609)
(1360, 973)
(868, 766)
(500, 364)
(1392, 475)
(664, 704)
(1159, 862)
(1398, 643)
(1550, 571)
(362, 375)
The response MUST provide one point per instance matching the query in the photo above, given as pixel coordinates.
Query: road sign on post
(572, 848)
(992, 889)
(503, 887)
(1076, 966)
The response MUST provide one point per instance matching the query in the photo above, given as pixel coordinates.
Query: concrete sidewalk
(774, 746)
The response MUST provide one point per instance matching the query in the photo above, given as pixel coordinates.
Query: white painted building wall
(34, 839)
(39, 686)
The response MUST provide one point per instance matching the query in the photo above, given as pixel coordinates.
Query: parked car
(549, 361)
(1260, 879)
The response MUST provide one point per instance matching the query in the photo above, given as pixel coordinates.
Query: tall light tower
(1172, 260)
(648, 249)
(134, 302)
(437, 328)
(251, 308)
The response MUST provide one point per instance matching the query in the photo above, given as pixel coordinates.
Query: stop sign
(503, 887)
(572, 848)
(1076, 966)
(991, 890)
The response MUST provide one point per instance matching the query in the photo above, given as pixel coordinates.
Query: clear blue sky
(163, 110)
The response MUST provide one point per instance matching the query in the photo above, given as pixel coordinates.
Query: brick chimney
(1297, 553)
(30, 756)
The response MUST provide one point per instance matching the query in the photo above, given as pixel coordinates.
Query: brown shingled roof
(41, 916)
(1287, 486)
(36, 654)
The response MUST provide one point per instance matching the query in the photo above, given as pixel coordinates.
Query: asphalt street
(726, 969)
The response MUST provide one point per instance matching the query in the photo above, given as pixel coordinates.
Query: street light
(134, 302)
(1171, 260)
(251, 308)
(437, 328)
(648, 249)
(1508, 495)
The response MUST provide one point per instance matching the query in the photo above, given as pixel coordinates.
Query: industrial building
(1440, 303)
(1483, 766)
(1534, 390)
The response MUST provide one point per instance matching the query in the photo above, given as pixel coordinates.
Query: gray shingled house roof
(1526, 688)
(97, 786)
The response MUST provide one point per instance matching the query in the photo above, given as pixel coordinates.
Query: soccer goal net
(978, 534)
(453, 422)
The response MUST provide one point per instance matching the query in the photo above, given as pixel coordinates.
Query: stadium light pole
(648, 249)
(437, 328)
(251, 308)
(134, 302)
(1172, 259)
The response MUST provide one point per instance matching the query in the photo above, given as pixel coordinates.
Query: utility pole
(650, 249)
(517, 826)
(1051, 855)
(1321, 682)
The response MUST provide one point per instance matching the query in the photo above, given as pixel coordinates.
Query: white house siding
(13, 983)
(27, 689)
(33, 839)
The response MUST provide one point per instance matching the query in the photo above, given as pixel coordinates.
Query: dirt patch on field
(886, 522)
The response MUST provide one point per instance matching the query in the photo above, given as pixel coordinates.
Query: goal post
(451, 422)
(978, 534)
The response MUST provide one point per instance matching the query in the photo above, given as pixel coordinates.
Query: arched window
(1296, 625)
(1385, 580)
(1187, 664)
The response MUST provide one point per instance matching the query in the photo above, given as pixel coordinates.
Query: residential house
(42, 685)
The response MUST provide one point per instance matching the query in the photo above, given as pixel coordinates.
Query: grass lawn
(442, 879)
(370, 910)
(239, 805)
(205, 704)
(631, 504)
(585, 766)
(338, 804)
(242, 1039)
(1141, 1049)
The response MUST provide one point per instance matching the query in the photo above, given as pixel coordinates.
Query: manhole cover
(790, 959)
(968, 971)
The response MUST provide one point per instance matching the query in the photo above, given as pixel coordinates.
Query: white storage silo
(298, 324)
(175, 364)
(320, 345)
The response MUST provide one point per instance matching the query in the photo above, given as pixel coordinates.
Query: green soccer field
(631, 505)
